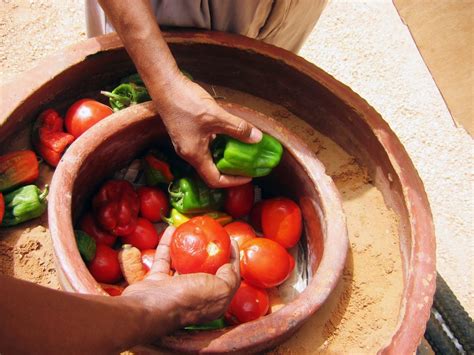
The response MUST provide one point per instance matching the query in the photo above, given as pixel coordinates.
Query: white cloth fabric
(284, 23)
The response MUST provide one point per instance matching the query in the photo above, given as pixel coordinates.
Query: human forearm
(190, 114)
(37, 319)
(141, 36)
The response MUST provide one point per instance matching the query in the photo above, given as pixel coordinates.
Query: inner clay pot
(322, 251)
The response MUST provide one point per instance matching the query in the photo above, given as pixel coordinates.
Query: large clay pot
(278, 76)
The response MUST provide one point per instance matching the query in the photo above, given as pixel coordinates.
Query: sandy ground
(363, 44)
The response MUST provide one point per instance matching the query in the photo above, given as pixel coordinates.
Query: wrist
(149, 318)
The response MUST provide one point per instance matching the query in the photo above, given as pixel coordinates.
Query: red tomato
(105, 266)
(264, 263)
(83, 114)
(112, 290)
(89, 225)
(240, 232)
(281, 221)
(249, 303)
(153, 203)
(148, 256)
(239, 200)
(144, 236)
(2, 207)
(200, 245)
(255, 217)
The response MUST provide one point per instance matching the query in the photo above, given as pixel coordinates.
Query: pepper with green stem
(23, 204)
(125, 95)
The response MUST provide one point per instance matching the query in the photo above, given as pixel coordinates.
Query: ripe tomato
(255, 217)
(144, 236)
(281, 221)
(89, 225)
(112, 290)
(239, 200)
(153, 203)
(264, 263)
(249, 303)
(148, 256)
(200, 245)
(240, 232)
(83, 114)
(105, 266)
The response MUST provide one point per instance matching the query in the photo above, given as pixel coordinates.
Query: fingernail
(255, 135)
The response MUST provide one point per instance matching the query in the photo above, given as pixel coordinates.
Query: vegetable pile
(121, 228)
(20, 201)
(119, 233)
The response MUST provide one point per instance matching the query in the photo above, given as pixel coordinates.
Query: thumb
(238, 128)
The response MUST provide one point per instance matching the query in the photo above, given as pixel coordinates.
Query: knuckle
(243, 129)
(184, 151)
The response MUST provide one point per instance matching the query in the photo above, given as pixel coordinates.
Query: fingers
(235, 257)
(161, 264)
(208, 171)
(238, 128)
(230, 273)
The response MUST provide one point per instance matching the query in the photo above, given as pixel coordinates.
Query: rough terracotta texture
(363, 44)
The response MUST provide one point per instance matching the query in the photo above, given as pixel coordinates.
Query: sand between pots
(362, 312)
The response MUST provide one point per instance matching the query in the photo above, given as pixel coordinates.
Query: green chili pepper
(86, 245)
(215, 324)
(234, 157)
(23, 204)
(176, 218)
(191, 195)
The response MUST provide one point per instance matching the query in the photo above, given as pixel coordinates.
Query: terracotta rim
(419, 266)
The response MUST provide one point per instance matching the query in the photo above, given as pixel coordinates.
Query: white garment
(284, 23)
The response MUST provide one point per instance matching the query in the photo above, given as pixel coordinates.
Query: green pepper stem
(174, 194)
(44, 194)
(123, 99)
(167, 220)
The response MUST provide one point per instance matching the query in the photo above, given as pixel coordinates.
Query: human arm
(36, 319)
(190, 114)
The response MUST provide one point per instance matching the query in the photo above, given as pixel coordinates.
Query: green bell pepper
(234, 157)
(23, 204)
(192, 195)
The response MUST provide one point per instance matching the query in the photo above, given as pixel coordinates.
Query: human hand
(188, 299)
(193, 118)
